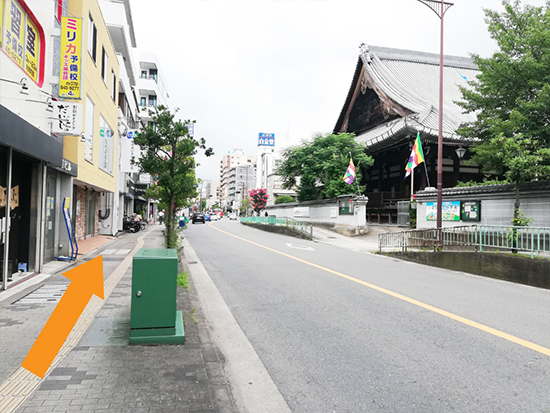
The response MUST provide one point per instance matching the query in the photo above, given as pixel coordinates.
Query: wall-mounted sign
(71, 55)
(128, 151)
(450, 211)
(68, 118)
(22, 38)
(470, 211)
(266, 139)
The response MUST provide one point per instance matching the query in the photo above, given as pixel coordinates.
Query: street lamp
(439, 8)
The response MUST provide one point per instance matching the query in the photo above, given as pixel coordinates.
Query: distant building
(242, 179)
(233, 158)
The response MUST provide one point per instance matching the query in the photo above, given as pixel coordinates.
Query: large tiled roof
(411, 80)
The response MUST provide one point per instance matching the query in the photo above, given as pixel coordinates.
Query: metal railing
(477, 237)
(302, 227)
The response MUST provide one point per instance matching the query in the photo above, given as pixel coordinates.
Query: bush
(284, 199)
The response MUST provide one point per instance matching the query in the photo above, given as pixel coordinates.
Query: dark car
(198, 218)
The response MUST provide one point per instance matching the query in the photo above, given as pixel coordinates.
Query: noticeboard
(470, 211)
(450, 211)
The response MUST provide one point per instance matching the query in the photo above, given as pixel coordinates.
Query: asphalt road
(344, 331)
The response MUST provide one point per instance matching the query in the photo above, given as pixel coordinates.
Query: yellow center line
(471, 323)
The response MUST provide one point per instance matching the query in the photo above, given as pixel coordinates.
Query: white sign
(144, 178)
(302, 212)
(129, 150)
(67, 118)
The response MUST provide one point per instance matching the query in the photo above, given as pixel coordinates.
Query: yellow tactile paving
(21, 384)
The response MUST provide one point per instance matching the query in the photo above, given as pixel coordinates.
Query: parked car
(233, 215)
(207, 217)
(198, 218)
(214, 217)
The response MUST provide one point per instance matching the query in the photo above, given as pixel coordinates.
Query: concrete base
(138, 337)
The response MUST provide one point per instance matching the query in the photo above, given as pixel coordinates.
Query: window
(143, 101)
(153, 100)
(104, 64)
(153, 126)
(113, 77)
(153, 74)
(89, 131)
(106, 145)
(144, 74)
(92, 39)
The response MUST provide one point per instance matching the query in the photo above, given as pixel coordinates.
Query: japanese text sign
(266, 139)
(21, 38)
(71, 56)
(68, 118)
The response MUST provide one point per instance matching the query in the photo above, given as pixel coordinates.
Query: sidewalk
(96, 370)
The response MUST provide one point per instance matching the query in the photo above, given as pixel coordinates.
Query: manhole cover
(107, 332)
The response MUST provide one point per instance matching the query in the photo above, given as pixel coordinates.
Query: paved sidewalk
(97, 371)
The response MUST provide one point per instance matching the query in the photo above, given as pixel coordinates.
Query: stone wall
(326, 212)
(497, 204)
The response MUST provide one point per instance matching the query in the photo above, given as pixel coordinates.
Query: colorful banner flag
(417, 156)
(350, 173)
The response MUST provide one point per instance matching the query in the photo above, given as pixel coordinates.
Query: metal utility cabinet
(154, 318)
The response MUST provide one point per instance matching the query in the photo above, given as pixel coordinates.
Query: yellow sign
(1, 21)
(21, 37)
(71, 56)
(14, 33)
(31, 51)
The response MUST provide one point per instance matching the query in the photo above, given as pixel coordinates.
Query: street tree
(511, 97)
(316, 167)
(258, 199)
(167, 154)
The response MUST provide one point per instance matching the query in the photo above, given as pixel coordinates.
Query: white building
(233, 158)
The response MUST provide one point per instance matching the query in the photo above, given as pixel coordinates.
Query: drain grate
(191, 262)
(105, 332)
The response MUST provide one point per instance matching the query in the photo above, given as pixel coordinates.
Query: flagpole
(412, 184)
(427, 176)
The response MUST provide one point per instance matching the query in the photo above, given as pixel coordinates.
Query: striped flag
(350, 173)
(417, 156)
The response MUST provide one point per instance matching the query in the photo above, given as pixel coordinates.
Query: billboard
(22, 38)
(266, 139)
(450, 211)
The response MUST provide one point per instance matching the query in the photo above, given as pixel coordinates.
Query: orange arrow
(87, 280)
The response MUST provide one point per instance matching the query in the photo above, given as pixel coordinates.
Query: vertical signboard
(22, 38)
(71, 55)
(128, 151)
(31, 51)
(68, 118)
(15, 33)
(1, 23)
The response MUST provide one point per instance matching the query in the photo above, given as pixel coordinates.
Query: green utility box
(154, 318)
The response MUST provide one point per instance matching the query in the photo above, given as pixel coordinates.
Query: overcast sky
(284, 66)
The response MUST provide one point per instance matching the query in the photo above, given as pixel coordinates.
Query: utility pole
(439, 8)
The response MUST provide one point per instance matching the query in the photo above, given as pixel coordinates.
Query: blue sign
(266, 139)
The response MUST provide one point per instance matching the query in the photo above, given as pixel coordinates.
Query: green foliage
(320, 165)
(521, 220)
(496, 181)
(284, 199)
(168, 155)
(182, 280)
(412, 215)
(511, 97)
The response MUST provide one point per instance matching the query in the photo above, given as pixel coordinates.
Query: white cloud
(243, 67)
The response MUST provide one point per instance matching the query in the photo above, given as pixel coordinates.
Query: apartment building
(233, 158)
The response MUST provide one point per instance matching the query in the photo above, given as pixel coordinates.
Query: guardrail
(302, 227)
(530, 239)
